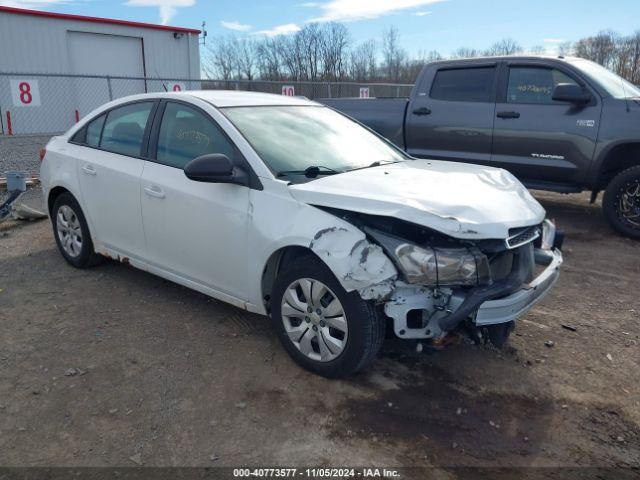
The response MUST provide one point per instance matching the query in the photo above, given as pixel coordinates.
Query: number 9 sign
(25, 93)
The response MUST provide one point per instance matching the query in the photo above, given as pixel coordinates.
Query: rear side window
(124, 129)
(534, 84)
(464, 85)
(94, 129)
(186, 133)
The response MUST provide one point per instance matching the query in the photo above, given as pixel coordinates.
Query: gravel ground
(112, 366)
(21, 153)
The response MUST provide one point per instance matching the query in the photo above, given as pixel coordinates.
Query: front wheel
(621, 202)
(324, 328)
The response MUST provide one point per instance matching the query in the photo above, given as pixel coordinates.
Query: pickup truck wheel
(71, 232)
(621, 202)
(325, 329)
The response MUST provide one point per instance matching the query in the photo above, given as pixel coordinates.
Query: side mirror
(571, 93)
(215, 168)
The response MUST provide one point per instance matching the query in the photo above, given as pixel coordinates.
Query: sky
(424, 25)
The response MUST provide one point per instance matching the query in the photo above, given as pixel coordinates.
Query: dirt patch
(98, 366)
(462, 424)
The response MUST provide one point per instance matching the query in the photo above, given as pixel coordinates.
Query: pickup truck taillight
(43, 152)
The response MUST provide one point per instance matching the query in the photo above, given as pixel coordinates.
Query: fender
(603, 150)
(357, 263)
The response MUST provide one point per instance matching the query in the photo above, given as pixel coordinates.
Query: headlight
(436, 266)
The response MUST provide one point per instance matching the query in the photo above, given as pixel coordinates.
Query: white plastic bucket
(16, 181)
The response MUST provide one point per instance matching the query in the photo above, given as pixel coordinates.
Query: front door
(196, 232)
(451, 115)
(110, 165)
(539, 140)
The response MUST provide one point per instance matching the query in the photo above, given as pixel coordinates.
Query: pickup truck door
(541, 141)
(451, 113)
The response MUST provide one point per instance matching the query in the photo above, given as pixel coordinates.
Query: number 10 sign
(25, 93)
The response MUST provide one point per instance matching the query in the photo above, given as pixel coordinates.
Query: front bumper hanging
(509, 308)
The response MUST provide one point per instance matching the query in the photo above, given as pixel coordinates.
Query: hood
(458, 199)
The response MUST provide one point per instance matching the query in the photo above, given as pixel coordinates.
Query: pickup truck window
(296, 138)
(534, 84)
(464, 84)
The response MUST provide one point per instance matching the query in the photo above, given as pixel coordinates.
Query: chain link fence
(33, 103)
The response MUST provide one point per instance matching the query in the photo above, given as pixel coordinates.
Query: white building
(37, 50)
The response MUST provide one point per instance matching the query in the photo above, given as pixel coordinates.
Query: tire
(623, 196)
(365, 327)
(498, 334)
(69, 226)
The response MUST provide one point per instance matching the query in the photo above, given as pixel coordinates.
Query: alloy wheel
(628, 204)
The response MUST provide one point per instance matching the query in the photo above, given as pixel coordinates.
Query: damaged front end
(430, 284)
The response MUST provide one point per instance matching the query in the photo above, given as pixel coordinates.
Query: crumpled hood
(457, 199)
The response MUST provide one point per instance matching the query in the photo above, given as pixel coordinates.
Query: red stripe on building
(82, 18)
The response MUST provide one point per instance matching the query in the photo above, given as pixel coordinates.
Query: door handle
(422, 111)
(89, 170)
(508, 115)
(153, 191)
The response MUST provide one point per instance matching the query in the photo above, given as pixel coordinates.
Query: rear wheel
(72, 233)
(325, 329)
(621, 202)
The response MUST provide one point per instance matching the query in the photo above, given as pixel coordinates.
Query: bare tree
(565, 49)
(537, 50)
(600, 48)
(334, 46)
(219, 61)
(394, 56)
(320, 52)
(362, 62)
(506, 46)
(246, 58)
(270, 58)
(465, 52)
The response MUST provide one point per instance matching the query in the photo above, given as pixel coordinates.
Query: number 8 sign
(25, 93)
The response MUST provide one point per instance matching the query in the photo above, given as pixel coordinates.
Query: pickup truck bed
(384, 115)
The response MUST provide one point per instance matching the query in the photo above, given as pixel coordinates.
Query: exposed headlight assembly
(435, 266)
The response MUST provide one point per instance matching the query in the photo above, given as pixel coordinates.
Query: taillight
(43, 152)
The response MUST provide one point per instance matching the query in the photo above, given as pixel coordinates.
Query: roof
(82, 18)
(501, 58)
(233, 98)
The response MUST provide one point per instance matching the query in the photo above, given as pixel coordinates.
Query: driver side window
(186, 133)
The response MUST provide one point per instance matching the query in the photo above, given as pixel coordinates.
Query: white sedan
(286, 208)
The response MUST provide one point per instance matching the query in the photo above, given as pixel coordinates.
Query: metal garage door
(98, 54)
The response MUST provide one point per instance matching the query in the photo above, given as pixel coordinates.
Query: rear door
(541, 141)
(451, 113)
(196, 232)
(110, 165)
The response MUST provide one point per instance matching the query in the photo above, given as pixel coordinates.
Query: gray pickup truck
(558, 124)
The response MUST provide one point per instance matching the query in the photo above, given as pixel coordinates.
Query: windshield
(294, 138)
(615, 85)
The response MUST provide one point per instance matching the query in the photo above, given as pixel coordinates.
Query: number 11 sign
(25, 93)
